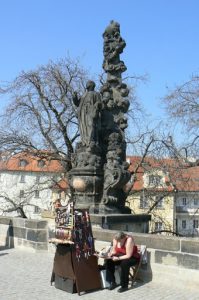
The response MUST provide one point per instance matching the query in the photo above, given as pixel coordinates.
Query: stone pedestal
(87, 186)
(122, 222)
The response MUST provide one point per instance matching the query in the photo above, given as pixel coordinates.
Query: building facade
(187, 213)
(167, 191)
(26, 183)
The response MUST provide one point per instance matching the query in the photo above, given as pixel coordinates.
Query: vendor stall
(75, 267)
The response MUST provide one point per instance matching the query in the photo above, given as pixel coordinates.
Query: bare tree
(182, 105)
(41, 119)
(41, 114)
(158, 157)
(31, 192)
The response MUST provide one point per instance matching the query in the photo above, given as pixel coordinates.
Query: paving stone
(25, 275)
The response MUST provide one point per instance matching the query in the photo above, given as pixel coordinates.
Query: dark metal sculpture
(88, 115)
(100, 171)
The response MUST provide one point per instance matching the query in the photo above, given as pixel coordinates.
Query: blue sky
(161, 36)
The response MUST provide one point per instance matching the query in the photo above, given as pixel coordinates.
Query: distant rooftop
(30, 162)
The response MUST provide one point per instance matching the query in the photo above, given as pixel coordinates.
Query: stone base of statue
(111, 209)
(87, 188)
(122, 222)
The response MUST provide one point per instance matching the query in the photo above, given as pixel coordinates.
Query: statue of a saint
(89, 106)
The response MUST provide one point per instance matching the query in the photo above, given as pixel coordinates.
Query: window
(159, 201)
(21, 193)
(23, 163)
(37, 210)
(184, 201)
(37, 179)
(36, 194)
(22, 179)
(41, 163)
(143, 202)
(195, 223)
(196, 202)
(184, 224)
(158, 226)
(154, 180)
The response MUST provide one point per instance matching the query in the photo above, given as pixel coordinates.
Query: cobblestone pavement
(26, 275)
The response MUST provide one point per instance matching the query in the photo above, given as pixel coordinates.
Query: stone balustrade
(165, 253)
(19, 232)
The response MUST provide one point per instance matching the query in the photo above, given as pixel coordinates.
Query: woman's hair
(120, 235)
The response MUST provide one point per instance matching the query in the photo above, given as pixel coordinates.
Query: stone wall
(170, 259)
(19, 232)
(166, 250)
(162, 250)
(125, 222)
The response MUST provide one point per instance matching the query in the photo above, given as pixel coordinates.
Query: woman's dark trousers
(125, 265)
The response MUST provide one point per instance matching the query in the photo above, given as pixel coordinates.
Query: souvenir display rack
(74, 255)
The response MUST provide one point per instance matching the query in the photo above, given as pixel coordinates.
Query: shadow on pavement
(2, 254)
(8, 240)
(145, 274)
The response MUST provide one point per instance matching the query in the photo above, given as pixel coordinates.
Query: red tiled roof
(33, 163)
(178, 176)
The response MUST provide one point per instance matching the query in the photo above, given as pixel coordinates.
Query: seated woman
(123, 253)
